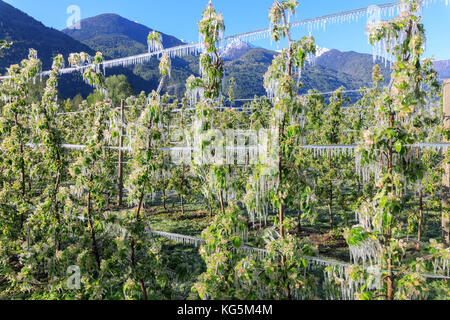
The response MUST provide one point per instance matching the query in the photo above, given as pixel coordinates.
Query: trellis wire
(239, 100)
(262, 253)
(224, 107)
(322, 149)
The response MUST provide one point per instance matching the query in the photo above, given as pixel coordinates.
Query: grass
(192, 223)
(329, 244)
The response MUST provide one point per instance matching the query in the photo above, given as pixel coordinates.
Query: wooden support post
(120, 173)
(446, 178)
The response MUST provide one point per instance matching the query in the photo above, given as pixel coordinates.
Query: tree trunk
(91, 227)
(138, 211)
(164, 200)
(182, 205)
(420, 224)
(330, 203)
(56, 209)
(330, 207)
(390, 281)
(23, 182)
(390, 276)
(281, 215)
(133, 264)
(280, 178)
(446, 177)
(161, 84)
(120, 165)
(299, 215)
(222, 206)
(281, 133)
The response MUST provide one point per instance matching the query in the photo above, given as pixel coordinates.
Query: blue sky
(180, 17)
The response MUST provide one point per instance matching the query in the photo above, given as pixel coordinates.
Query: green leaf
(236, 242)
(398, 146)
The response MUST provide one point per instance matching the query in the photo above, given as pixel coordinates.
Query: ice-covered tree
(377, 239)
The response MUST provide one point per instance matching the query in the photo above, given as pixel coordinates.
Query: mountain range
(111, 32)
(118, 37)
(443, 68)
(25, 32)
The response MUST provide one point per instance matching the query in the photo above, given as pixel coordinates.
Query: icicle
(299, 76)
(28, 239)
(367, 251)
(154, 46)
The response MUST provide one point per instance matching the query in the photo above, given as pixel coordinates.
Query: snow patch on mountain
(235, 49)
(320, 51)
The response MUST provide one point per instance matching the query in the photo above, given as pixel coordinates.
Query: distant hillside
(357, 65)
(116, 36)
(249, 71)
(26, 33)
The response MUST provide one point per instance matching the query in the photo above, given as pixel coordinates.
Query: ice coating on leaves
(366, 252)
(79, 59)
(181, 155)
(211, 28)
(367, 171)
(154, 42)
(90, 69)
(385, 41)
(165, 65)
(442, 265)
(272, 88)
(194, 90)
(348, 284)
(257, 201)
(365, 215)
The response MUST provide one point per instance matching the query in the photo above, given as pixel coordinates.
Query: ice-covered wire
(263, 253)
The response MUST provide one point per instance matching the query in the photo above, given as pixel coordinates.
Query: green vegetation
(102, 203)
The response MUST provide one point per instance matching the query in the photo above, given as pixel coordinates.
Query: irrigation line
(239, 100)
(224, 107)
(435, 145)
(263, 252)
(196, 241)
